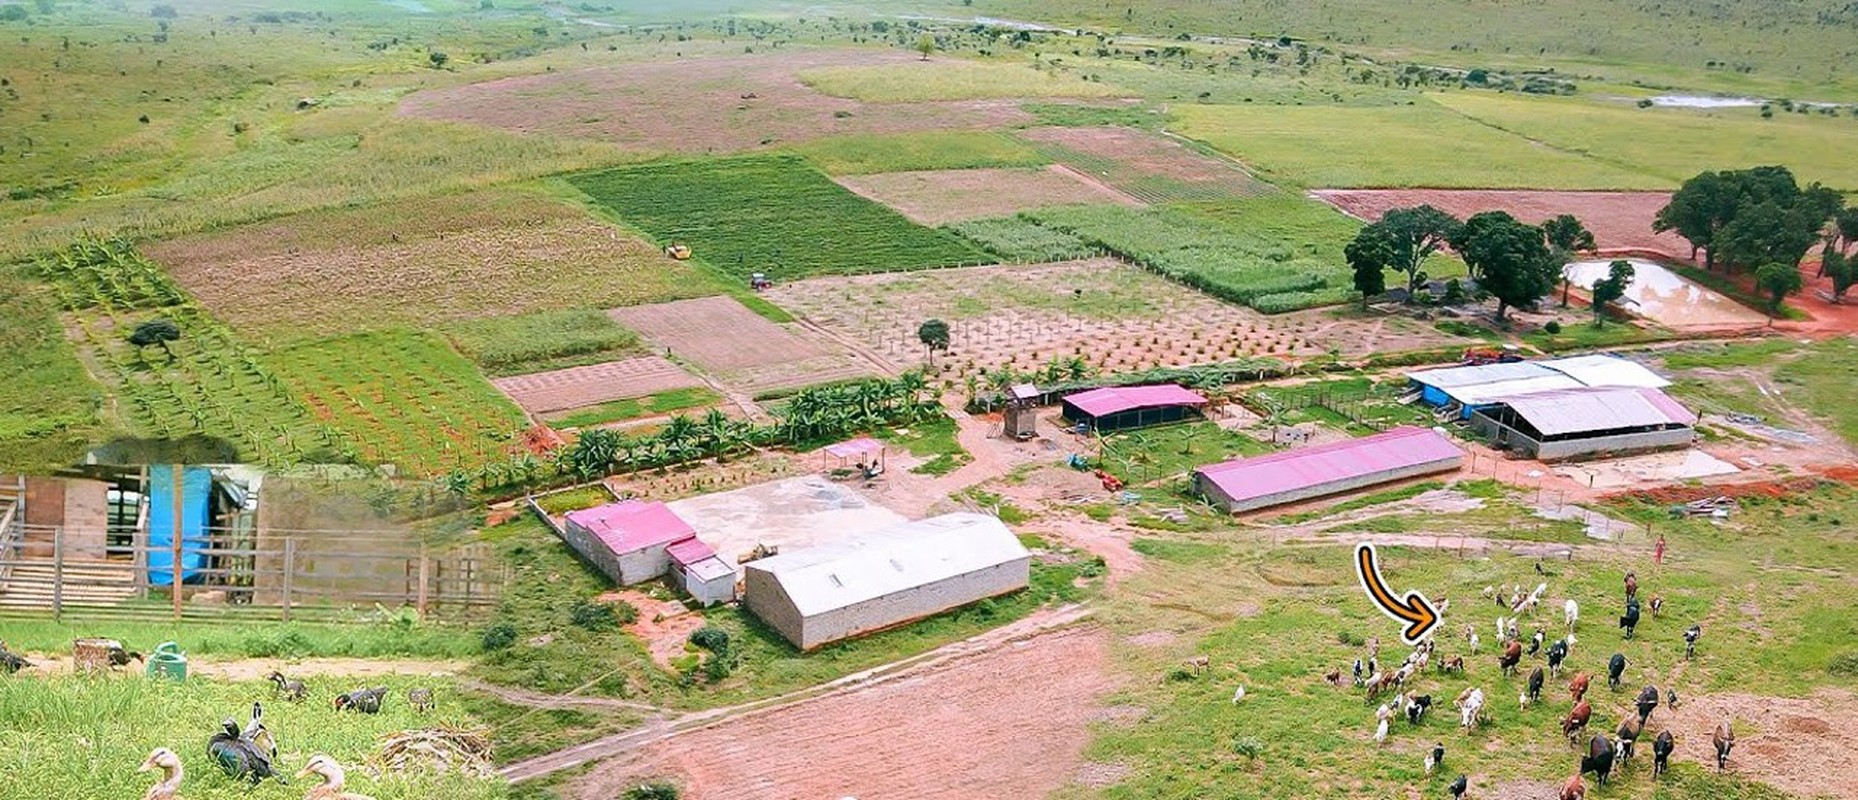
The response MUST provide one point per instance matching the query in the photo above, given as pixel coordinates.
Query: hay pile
(436, 750)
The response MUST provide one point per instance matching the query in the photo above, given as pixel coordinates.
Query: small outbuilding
(1122, 407)
(1576, 423)
(635, 541)
(886, 578)
(1246, 484)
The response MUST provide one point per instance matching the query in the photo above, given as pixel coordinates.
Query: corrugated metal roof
(709, 569)
(1115, 399)
(1598, 409)
(1396, 448)
(689, 551)
(892, 560)
(1486, 393)
(1451, 377)
(1604, 370)
(632, 525)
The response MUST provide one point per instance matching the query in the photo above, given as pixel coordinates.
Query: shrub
(1553, 327)
(711, 638)
(594, 616)
(1248, 747)
(1846, 665)
(656, 790)
(1350, 638)
(499, 636)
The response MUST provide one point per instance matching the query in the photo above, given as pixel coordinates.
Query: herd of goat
(1602, 753)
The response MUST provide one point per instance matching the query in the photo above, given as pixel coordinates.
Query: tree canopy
(1402, 240)
(934, 335)
(1841, 268)
(1619, 275)
(1743, 218)
(1369, 255)
(1510, 259)
(1778, 280)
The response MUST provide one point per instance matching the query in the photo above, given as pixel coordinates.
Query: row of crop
(107, 274)
(771, 214)
(1019, 240)
(1281, 302)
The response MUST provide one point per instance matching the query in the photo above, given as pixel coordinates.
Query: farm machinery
(759, 282)
(678, 251)
(1479, 356)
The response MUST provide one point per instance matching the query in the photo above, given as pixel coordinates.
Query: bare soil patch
(939, 197)
(1148, 166)
(1619, 220)
(1012, 722)
(1116, 316)
(1798, 744)
(739, 347)
(700, 105)
(664, 625)
(574, 387)
(419, 262)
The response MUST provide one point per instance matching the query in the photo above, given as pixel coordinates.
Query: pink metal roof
(632, 525)
(1114, 399)
(855, 447)
(689, 551)
(1247, 478)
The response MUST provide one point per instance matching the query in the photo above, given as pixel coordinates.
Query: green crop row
(1020, 240)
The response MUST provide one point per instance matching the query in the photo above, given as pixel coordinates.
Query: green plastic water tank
(168, 662)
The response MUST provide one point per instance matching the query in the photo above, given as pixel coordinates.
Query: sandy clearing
(739, 347)
(1800, 745)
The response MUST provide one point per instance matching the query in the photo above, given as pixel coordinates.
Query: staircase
(33, 583)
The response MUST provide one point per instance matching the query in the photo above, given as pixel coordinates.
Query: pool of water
(1666, 297)
(1704, 101)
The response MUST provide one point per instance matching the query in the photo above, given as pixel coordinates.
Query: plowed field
(939, 197)
(574, 387)
(741, 349)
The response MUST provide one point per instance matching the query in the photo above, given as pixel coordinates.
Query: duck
(366, 701)
(161, 758)
(289, 688)
(11, 662)
(239, 758)
(421, 698)
(334, 779)
(258, 735)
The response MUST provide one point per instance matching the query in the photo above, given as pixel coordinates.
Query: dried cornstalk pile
(436, 750)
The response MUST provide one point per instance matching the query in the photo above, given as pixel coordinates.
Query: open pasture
(863, 154)
(1146, 165)
(420, 263)
(48, 405)
(1674, 143)
(401, 398)
(574, 387)
(943, 196)
(1619, 220)
(772, 214)
(916, 81)
(1421, 145)
(742, 349)
(699, 105)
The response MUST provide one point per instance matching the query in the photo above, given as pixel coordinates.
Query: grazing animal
(1628, 732)
(1474, 644)
(257, 734)
(1724, 739)
(1557, 653)
(1417, 708)
(171, 774)
(1657, 605)
(1632, 585)
(1512, 655)
(1615, 667)
(1535, 685)
(1577, 688)
(1514, 633)
(1629, 621)
(334, 780)
(1661, 753)
(1599, 759)
(1453, 664)
(1522, 701)
(1691, 635)
(1670, 697)
(1457, 788)
(1576, 721)
(1574, 789)
(1380, 733)
(1473, 709)
(1237, 695)
(1571, 613)
(1196, 665)
(1648, 702)
(367, 701)
(1378, 683)
(239, 758)
(421, 698)
(1535, 642)
(1436, 758)
(11, 662)
(288, 688)
(1333, 677)
(1357, 672)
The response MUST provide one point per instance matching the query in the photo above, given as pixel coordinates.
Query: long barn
(886, 578)
(1246, 484)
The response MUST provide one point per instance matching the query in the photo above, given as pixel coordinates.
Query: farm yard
(941, 197)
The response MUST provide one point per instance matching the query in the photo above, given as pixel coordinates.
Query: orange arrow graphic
(1415, 610)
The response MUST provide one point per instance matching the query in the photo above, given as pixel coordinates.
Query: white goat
(1571, 611)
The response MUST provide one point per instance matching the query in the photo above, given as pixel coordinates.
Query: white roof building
(1603, 370)
(885, 578)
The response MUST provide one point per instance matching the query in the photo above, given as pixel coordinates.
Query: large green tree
(1567, 238)
(1510, 259)
(1841, 268)
(934, 335)
(1370, 255)
(1744, 218)
(1409, 236)
(1778, 280)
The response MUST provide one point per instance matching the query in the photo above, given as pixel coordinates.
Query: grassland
(770, 214)
(864, 154)
(1673, 144)
(49, 407)
(388, 637)
(1823, 374)
(542, 340)
(634, 408)
(950, 79)
(1170, 452)
(402, 398)
(1420, 145)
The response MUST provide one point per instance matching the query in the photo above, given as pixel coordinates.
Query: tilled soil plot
(574, 387)
(1619, 220)
(939, 197)
(700, 105)
(1012, 722)
(1150, 167)
(742, 349)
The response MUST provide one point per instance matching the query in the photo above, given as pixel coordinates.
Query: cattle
(1629, 621)
(1599, 759)
(1535, 685)
(1657, 605)
(1557, 653)
(1473, 708)
(1574, 789)
(1535, 642)
(1457, 788)
(1577, 688)
(1648, 702)
(1435, 758)
(1632, 585)
(1615, 668)
(1724, 739)
(1453, 664)
(1512, 655)
(1575, 723)
(1691, 635)
(1417, 708)
(1661, 753)
(1628, 732)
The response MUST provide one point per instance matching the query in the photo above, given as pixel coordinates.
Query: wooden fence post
(290, 571)
(58, 572)
(425, 575)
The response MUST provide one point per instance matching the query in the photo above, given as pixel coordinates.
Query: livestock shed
(634, 541)
(1122, 407)
(885, 578)
(1572, 423)
(1246, 484)
(1471, 387)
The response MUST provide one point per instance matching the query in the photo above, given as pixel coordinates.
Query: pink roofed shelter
(634, 541)
(1246, 484)
(1122, 407)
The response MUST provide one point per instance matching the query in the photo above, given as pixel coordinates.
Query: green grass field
(1019, 240)
(950, 79)
(776, 215)
(49, 407)
(863, 154)
(543, 340)
(1419, 145)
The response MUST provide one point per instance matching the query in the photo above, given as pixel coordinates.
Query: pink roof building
(634, 541)
(1245, 484)
(1114, 407)
(632, 525)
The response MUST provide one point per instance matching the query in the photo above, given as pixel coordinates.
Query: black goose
(11, 662)
(366, 701)
(239, 758)
(288, 688)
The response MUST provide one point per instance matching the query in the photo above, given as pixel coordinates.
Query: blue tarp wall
(196, 492)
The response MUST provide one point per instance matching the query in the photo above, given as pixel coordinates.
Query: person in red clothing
(1658, 550)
